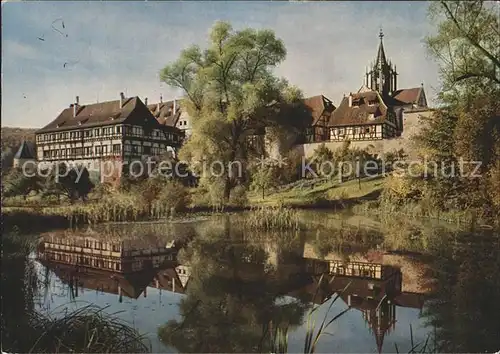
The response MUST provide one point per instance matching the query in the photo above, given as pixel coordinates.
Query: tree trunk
(227, 188)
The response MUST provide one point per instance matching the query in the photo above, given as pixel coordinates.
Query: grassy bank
(322, 193)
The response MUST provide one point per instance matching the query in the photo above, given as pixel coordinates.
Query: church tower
(382, 77)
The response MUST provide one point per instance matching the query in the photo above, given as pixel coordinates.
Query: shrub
(239, 196)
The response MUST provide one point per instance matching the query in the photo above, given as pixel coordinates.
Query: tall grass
(314, 332)
(273, 218)
(86, 330)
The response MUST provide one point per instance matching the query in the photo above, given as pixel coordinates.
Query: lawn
(317, 191)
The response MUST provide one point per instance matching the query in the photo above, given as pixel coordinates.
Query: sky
(113, 47)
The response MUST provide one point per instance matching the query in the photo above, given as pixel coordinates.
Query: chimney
(122, 98)
(175, 106)
(75, 106)
(350, 99)
(146, 101)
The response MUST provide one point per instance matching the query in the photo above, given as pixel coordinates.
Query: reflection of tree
(19, 288)
(231, 297)
(465, 307)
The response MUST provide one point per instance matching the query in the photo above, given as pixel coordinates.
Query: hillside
(11, 140)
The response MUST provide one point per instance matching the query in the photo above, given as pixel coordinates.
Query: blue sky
(114, 47)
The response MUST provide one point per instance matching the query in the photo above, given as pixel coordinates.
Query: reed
(273, 218)
(88, 329)
(314, 331)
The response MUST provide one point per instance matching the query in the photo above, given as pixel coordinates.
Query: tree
(467, 46)
(467, 127)
(264, 176)
(230, 92)
(323, 156)
(73, 183)
(17, 183)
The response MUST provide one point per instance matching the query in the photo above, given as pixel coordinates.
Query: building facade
(118, 131)
(378, 110)
(172, 114)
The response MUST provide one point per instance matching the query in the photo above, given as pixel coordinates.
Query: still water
(213, 286)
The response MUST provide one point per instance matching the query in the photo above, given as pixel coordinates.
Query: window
(98, 150)
(118, 129)
(88, 133)
(117, 148)
(97, 131)
(104, 149)
(88, 151)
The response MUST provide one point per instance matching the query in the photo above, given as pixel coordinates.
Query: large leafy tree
(230, 92)
(466, 45)
(467, 126)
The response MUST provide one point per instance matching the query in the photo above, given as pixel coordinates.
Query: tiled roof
(163, 112)
(98, 114)
(318, 105)
(408, 96)
(361, 111)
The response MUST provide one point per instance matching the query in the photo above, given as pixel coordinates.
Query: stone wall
(412, 124)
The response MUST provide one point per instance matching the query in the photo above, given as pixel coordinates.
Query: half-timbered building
(121, 131)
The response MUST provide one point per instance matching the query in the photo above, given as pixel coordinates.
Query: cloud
(113, 47)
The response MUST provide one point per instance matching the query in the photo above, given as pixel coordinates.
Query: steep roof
(98, 114)
(408, 96)
(164, 112)
(318, 105)
(25, 151)
(360, 112)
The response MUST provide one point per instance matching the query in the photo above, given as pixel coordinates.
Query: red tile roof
(98, 114)
(319, 105)
(408, 96)
(360, 113)
(163, 112)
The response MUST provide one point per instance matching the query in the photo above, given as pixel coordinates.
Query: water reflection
(238, 288)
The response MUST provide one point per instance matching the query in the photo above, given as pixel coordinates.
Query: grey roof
(25, 151)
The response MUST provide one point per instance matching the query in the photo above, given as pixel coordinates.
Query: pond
(213, 285)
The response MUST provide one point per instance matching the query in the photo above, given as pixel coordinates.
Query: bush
(239, 196)
(173, 197)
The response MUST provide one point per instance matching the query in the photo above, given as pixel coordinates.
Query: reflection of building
(172, 279)
(80, 279)
(112, 255)
(372, 288)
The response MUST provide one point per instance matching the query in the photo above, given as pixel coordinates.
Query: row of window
(106, 132)
(84, 243)
(103, 150)
(354, 130)
(78, 134)
(88, 261)
(87, 151)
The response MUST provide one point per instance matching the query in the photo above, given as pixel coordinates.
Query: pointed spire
(381, 59)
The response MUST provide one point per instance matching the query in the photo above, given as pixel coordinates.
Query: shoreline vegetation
(362, 197)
